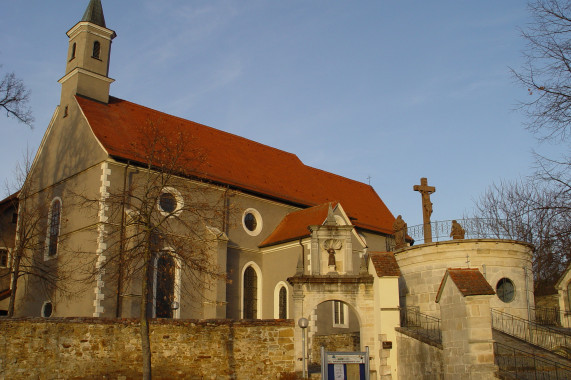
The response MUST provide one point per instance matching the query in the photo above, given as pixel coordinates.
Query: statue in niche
(331, 246)
(401, 230)
(457, 232)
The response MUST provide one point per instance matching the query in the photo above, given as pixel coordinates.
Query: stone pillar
(298, 297)
(467, 342)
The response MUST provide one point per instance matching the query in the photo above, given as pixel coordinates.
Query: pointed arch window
(96, 49)
(54, 224)
(164, 283)
(250, 293)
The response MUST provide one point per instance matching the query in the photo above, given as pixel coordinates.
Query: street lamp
(303, 323)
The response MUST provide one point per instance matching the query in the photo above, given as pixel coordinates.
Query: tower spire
(94, 13)
(89, 54)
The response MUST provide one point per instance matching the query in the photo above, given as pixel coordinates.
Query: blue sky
(391, 90)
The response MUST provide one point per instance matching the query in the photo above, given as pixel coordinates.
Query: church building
(232, 229)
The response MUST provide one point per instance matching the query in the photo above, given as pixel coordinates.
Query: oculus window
(505, 290)
(170, 202)
(47, 309)
(252, 222)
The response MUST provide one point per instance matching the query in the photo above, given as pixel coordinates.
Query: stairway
(526, 350)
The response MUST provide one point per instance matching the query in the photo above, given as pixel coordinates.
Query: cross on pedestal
(425, 192)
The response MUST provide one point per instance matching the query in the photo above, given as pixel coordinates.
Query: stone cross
(425, 192)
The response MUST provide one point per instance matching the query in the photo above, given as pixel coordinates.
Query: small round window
(170, 202)
(167, 201)
(505, 290)
(252, 221)
(47, 309)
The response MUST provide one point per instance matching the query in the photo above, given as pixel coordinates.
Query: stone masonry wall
(100, 348)
(334, 342)
(418, 360)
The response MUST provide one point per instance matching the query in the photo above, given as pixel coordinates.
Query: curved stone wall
(423, 268)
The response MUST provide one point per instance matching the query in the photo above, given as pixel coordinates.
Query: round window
(47, 309)
(252, 221)
(170, 202)
(167, 201)
(505, 290)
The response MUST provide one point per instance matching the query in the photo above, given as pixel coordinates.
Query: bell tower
(89, 52)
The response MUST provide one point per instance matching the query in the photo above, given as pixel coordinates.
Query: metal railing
(549, 316)
(517, 364)
(532, 332)
(474, 228)
(422, 324)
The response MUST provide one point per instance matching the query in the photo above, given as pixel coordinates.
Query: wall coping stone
(155, 321)
(458, 241)
(417, 336)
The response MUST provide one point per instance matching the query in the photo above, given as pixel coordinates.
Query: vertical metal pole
(303, 353)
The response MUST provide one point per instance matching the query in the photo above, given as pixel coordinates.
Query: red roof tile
(385, 264)
(470, 282)
(294, 225)
(238, 162)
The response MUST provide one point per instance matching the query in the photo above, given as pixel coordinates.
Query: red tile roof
(470, 282)
(238, 162)
(294, 225)
(385, 264)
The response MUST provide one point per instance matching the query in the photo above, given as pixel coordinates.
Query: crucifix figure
(425, 192)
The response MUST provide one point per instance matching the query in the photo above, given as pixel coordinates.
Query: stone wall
(105, 348)
(334, 342)
(424, 266)
(418, 360)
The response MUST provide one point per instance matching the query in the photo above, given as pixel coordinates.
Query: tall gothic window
(54, 227)
(250, 294)
(164, 286)
(283, 303)
(96, 49)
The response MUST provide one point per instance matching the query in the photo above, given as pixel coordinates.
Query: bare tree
(29, 246)
(162, 227)
(15, 99)
(534, 211)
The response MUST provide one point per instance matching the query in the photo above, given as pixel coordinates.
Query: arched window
(282, 306)
(250, 293)
(96, 49)
(165, 287)
(54, 222)
(73, 48)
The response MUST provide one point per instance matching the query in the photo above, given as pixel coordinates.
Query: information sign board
(344, 365)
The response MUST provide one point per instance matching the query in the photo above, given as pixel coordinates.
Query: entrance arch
(337, 328)
(354, 291)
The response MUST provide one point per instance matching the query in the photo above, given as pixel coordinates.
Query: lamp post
(303, 323)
